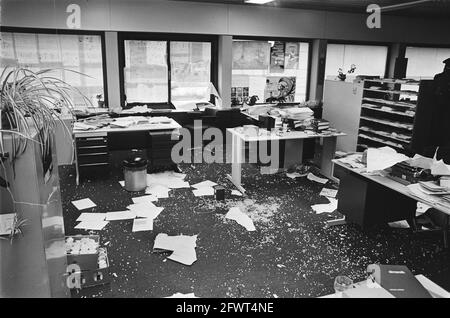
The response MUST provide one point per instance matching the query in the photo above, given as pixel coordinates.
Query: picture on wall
(239, 95)
(250, 55)
(280, 89)
(277, 57)
(292, 54)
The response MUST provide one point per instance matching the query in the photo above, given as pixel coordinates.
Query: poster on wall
(239, 95)
(292, 55)
(250, 55)
(280, 89)
(277, 57)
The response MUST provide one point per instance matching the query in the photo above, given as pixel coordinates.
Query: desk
(373, 199)
(92, 146)
(294, 140)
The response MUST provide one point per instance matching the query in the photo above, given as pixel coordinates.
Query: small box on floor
(100, 275)
(83, 251)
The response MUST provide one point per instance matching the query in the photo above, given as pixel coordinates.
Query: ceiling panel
(434, 8)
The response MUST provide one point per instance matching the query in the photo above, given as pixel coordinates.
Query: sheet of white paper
(122, 183)
(243, 219)
(143, 224)
(6, 222)
(157, 190)
(145, 210)
(383, 158)
(183, 247)
(421, 162)
(180, 295)
(179, 184)
(293, 175)
(169, 179)
(83, 204)
(145, 198)
(331, 193)
(315, 178)
(399, 224)
(439, 168)
(236, 192)
(203, 184)
(203, 191)
(326, 208)
(422, 208)
(435, 290)
(120, 215)
(92, 225)
(91, 217)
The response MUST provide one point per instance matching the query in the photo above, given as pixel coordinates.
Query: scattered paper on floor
(84, 204)
(91, 217)
(122, 183)
(145, 210)
(243, 219)
(330, 193)
(169, 179)
(315, 178)
(120, 215)
(399, 224)
(180, 295)
(236, 192)
(422, 208)
(144, 224)
(160, 191)
(326, 208)
(92, 225)
(182, 246)
(202, 191)
(145, 198)
(203, 184)
(293, 175)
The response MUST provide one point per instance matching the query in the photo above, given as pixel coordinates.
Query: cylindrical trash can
(135, 172)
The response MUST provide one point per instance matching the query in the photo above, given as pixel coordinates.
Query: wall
(222, 19)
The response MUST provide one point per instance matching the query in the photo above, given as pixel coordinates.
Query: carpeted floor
(292, 253)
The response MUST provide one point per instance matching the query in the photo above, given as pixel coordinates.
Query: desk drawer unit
(160, 147)
(92, 151)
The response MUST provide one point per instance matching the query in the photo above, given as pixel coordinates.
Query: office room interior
(225, 149)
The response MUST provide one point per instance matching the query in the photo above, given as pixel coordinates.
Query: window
(368, 60)
(425, 61)
(166, 73)
(76, 52)
(274, 71)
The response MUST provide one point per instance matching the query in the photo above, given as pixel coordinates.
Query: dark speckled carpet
(292, 253)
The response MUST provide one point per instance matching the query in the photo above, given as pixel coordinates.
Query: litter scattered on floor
(145, 198)
(293, 175)
(160, 191)
(84, 204)
(399, 224)
(92, 225)
(315, 178)
(180, 295)
(144, 224)
(241, 218)
(145, 210)
(236, 192)
(91, 217)
(122, 183)
(182, 246)
(114, 274)
(203, 191)
(120, 215)
(203, 184)
(326, 208)
(169, 179)
(330, 193)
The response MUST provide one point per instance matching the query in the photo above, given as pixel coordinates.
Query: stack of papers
(84, 204)
(315, 178)
(383, 158)
(241, 218)
(204, 188)
(330, 193)
(182, 246)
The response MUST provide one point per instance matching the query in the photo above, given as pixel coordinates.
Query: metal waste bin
(135, 172)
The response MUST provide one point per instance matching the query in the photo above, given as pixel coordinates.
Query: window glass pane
(146, 71)
(368, 60)
(425, 62)
(78, 53)
(190, 72)
(271, 70)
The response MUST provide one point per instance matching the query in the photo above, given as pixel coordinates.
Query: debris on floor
(326, 208)
(330, 193)
(181, 295)
(182, 246)
(315, 178)
(241, 218)
(142, 224)
(84, 204)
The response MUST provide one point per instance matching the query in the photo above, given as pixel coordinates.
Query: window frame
(168, 37)
(367, 43)
(283, 39)
(422, 45)
(70, 32)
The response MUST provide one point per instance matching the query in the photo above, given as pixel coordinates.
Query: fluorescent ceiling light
(258, 1)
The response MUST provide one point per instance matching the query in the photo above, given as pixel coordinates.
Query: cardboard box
(98, 276)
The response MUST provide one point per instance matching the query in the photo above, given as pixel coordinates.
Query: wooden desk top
(393, 185)
(294, 134)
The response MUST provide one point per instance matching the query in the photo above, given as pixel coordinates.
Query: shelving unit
(387, 113)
